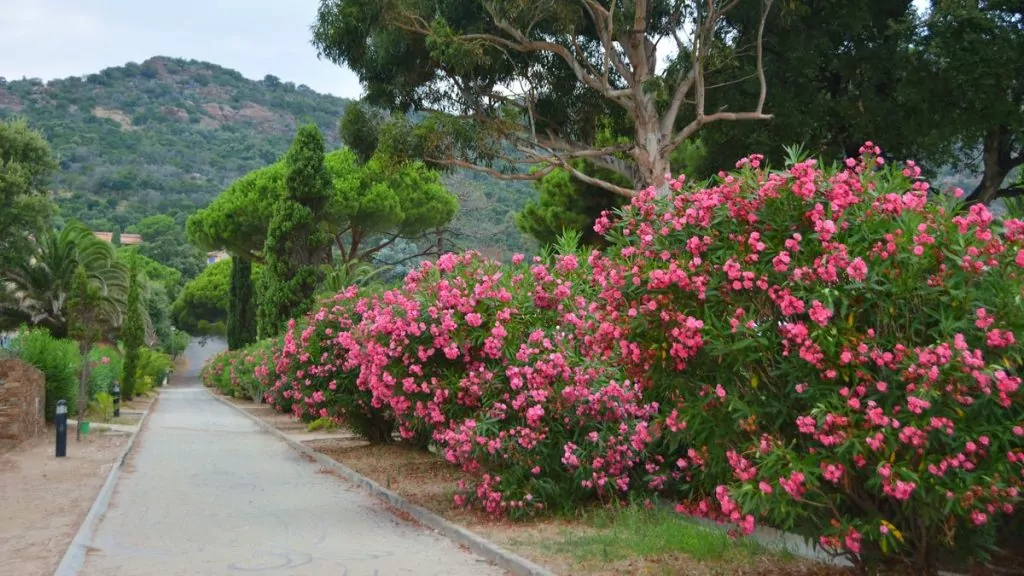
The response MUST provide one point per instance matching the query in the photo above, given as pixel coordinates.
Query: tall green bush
(132, 334)
(241, 305)
(152, 365)
(57, 359)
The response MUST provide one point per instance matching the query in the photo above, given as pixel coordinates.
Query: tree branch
(1010, 192)
(625, 192)
(366, 253)
(702, 118)
(491, 171)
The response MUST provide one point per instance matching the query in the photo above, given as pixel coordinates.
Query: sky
(59, 38)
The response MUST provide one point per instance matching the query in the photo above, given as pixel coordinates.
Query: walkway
(206, 492)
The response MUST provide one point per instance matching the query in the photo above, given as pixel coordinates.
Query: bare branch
(491, 171)
(703, 39)
(521, 43)
(367, 253)
(626, 192)
(766, 6)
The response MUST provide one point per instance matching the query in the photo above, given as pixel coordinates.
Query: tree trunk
(997, 165)
(652, 164)
(83, 390)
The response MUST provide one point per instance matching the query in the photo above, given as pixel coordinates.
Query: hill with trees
(164, 137)
(161, 137)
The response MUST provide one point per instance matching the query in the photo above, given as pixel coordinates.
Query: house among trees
(216, 256)
(125, 239)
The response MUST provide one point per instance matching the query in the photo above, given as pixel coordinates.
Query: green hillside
(166, 136)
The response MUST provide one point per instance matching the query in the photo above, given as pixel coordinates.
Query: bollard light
(60, 421)
(115, 391)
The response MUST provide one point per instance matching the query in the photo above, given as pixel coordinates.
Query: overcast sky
(58, 38)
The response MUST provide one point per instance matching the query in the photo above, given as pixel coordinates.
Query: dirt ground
(45, 499)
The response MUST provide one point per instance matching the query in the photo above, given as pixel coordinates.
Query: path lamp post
(115, 390)
(60, 421)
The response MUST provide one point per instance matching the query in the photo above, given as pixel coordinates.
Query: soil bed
(45, 499)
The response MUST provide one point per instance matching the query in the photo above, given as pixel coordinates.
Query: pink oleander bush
(317, 367)
(470, 355)
(828, 350)
(241, 373)
(835, 352)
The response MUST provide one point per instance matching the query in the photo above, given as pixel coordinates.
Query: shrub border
(482, 547)
(74, 557)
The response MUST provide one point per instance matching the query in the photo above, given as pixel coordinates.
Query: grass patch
(633, 539)
(636, 532)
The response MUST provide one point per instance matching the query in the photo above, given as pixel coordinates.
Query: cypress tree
(133, 332)
(296, 244)
(241, 305)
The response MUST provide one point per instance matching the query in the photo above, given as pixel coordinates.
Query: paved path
(206, 492)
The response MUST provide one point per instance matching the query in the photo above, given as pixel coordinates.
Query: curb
(74, 557)
(480, 546)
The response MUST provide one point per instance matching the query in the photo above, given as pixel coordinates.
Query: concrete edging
(74, 557)
(481, 546)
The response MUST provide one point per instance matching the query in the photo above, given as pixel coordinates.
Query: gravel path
(205, 492)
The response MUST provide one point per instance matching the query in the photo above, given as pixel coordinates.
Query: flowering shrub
(827, 350)
(470, 355)
(241, 373)
(317, 368)
(834, 352)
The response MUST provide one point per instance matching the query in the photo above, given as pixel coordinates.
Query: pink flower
(857, 270)
(819, 313)
(853, 537)
(978, 517)
(765, 487)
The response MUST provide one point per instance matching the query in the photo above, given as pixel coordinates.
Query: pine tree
(241, 305)
(296, 244)
(132, 333)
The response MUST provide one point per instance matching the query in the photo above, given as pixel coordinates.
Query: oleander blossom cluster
(831, 350)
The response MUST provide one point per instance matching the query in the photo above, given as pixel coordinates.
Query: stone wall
(22, 401)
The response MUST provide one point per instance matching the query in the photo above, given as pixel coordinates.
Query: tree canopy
(202, 307)
(168, 278)
(371, 206)
(164, 241)
(39, 283)
(238, 219)
(840, 73)
(26, 165)
(973, 53)
(509, 84)
(384, 200)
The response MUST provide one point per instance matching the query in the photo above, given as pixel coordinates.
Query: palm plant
(361, 274)
(36, 288)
